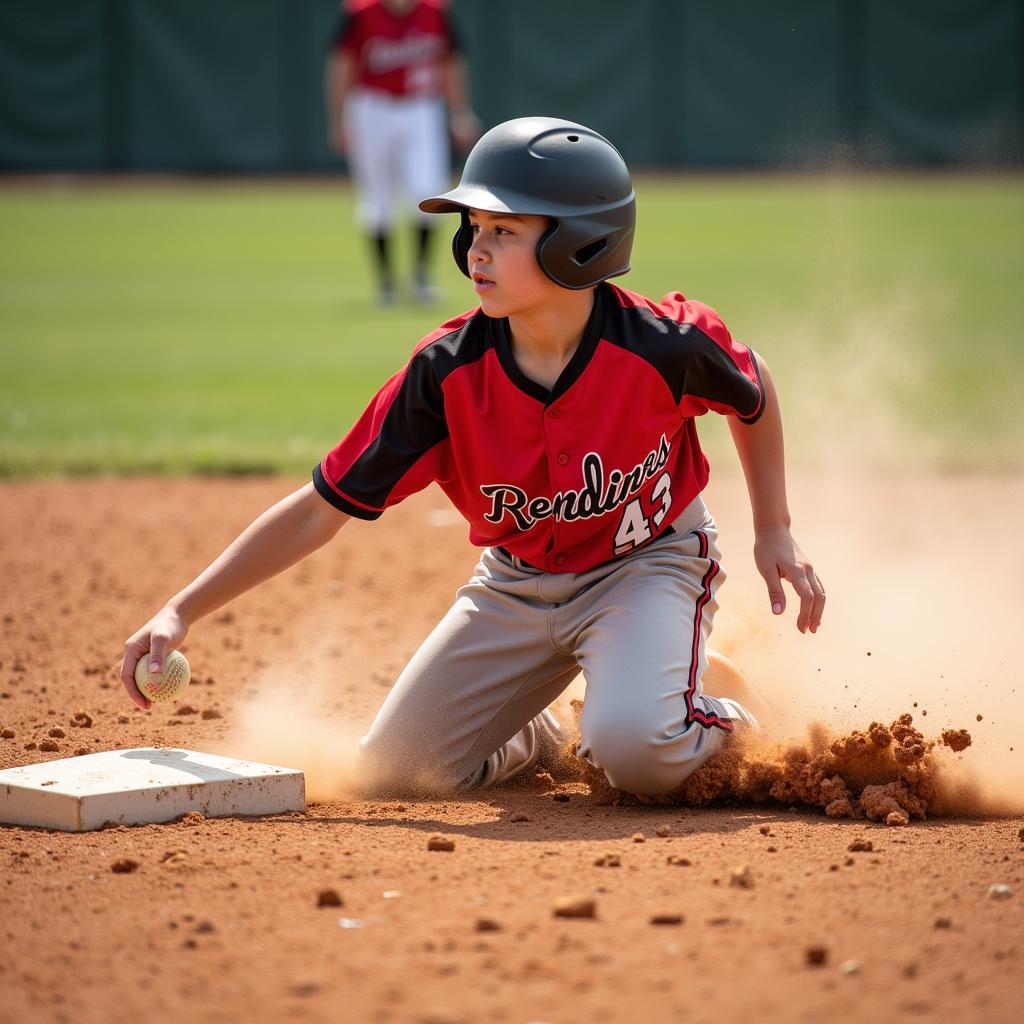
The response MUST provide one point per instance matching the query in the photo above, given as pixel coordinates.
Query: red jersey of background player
(565, 479)
(400, 54)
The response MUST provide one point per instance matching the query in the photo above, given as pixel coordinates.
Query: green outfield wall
(235, 85)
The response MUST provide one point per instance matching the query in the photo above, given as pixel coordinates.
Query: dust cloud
(923, 567)
(292, 719)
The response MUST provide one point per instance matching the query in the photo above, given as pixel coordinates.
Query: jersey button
(563, 459)
(559, 559)
(553, 413)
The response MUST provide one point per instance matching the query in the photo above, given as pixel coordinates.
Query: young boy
(559, 418)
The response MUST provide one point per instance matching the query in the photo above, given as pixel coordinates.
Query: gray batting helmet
(558, 169)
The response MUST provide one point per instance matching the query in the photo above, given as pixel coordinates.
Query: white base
(142, 786)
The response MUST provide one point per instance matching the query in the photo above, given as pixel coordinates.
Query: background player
(392, 67)
(558, 416)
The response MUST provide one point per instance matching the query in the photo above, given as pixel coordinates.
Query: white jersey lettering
(597, 497)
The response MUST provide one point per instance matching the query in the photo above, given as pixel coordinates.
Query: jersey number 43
(635, 528)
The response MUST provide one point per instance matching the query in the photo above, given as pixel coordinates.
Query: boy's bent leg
(646, 722)
(460, 713)
(541, 737)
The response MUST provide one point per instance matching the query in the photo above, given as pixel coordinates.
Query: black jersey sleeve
(718, 373)
(687, 343)
(392, 450)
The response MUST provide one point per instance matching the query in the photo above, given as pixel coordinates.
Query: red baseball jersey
(400, 54)
(565, 479)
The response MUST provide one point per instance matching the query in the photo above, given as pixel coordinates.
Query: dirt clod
(742, 878)
(638, 837)
(487, 924)
(329, 898)
(575, 906)
(816, 956)
(57, 733)
(667, 919)
(1000, 891)
(608, 860)
(82, 720)
(866, 773)
(441, 843)
(49, 745)
(956, 739)
(943, 922)
(676, 860)
(125, 866)
(210, 714)
(662, 831)
(7, 734)
(861, 846)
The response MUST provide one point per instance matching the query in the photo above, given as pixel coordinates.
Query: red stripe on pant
(702, 718)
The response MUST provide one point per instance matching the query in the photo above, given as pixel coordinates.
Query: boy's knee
(377, 772)
(639, 758)
(389, 765)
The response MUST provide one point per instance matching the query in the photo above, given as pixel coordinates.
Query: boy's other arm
(777, 555)
(293, 528)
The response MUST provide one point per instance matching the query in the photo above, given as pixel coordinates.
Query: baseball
(175, 680)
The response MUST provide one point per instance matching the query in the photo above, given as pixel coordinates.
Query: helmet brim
(478, 197)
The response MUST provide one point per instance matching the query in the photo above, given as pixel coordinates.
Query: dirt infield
(758, 907)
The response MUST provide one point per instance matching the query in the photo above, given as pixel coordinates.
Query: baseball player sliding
(559, 416)
(394, 67)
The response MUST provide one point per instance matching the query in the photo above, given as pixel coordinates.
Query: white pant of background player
(398, 154)
(463, 713)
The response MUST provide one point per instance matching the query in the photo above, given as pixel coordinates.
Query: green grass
(229, 327)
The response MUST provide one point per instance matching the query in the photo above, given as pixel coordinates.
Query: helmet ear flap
(542, 245)
(461, 241)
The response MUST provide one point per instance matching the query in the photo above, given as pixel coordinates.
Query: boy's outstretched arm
(776, 554)
(293, 528)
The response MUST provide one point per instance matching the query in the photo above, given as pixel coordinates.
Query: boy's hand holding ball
(168, 686)
(153, 669)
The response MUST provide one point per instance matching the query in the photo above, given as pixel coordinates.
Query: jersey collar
(573, 369)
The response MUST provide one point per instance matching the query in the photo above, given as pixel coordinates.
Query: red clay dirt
(539, 902)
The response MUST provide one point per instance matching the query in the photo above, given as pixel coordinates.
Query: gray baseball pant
(515, 637)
